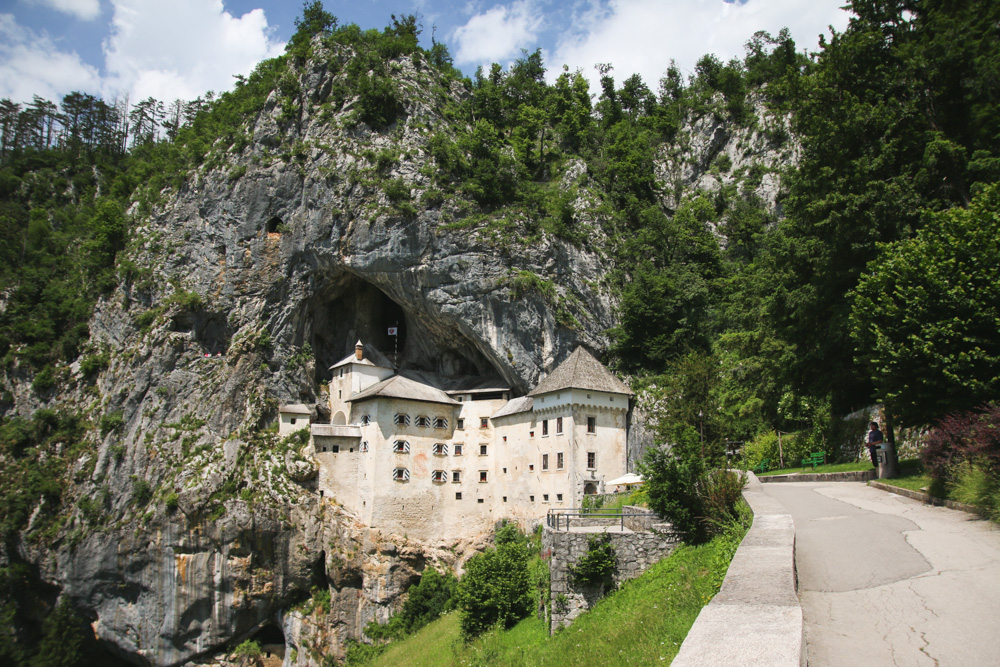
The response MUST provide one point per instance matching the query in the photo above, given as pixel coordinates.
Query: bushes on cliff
(496, 587)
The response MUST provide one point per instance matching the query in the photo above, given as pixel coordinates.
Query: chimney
(359, 351)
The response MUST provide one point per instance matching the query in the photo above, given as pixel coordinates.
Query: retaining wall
(756, 618)
(634, 553)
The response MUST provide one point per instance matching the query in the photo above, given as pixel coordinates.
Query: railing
(562, 519)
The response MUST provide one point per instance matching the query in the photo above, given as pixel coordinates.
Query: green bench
(763, 466)
(815, 459)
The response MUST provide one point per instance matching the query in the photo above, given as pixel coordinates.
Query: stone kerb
(635, 552)
(756, 618)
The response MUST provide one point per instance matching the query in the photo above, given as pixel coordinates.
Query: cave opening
(274, 225)
(271, 640)
(348, 308)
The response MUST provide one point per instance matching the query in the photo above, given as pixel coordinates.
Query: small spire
(359, 350)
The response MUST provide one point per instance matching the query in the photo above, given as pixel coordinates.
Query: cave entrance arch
(272, 642)
(589, 489)
(346, 308)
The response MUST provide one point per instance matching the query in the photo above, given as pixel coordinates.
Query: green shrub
(44, 380)
(93, 364)
(142, 493)
(112, 421)
(430, 597)
(495, 589)
(171, 501)
(597, 567)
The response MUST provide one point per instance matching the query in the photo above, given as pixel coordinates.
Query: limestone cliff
(239, 289)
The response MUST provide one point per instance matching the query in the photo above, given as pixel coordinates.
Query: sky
(179, 49)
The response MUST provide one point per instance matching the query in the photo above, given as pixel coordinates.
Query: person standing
(875, 439)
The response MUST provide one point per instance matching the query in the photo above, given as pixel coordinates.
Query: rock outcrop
(240, 288)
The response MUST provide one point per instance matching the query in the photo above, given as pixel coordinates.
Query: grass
(911, 476)
(642, 623)
(829, 467)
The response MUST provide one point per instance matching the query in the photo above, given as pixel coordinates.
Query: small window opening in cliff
(272, 642)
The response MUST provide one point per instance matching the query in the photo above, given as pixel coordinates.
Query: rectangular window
(591, 460)
(545, 461)
(482, 476)
(458, 495)
(440, 449)
(456, 476)
(458, 448)
(401, 474)
(440, 422)
(559, 497)
(423, 421)
(531, 466)
(559, 425)
(335, 449)
(591, 424)
(531, 434)
(505, 498)
(482, 450)
(401, 447)
(364, 446)
(366, 420)
(401, 419)
(340, 394)
(460, 424)
(292, 420)
(439, 476)
(480, 501)
(559, 460)
(484, 422)
(545, 497)
(545, 427)
(531, 498)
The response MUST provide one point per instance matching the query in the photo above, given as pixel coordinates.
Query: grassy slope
(643, 623)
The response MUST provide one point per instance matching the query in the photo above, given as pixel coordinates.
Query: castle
(433, 457)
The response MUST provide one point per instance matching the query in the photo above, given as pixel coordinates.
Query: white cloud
(642, 36)
(497, 34)
(86, 10)
(32, 64)
(182, 48)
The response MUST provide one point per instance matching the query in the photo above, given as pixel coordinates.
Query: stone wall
(635, 553)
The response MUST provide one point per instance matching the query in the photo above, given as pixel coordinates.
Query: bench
(763, 466)
(815, 459)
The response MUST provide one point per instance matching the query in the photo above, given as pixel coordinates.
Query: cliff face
(241, 288)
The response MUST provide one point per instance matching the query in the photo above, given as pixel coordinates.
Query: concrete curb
(926, 498)
(756, 618)
(852, 476)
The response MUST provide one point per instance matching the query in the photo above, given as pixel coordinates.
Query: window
(439, 476)
(341, 372)
(545, 461)
(591, 460)
(458, 448)
(401, 447)
(545, 427)
(480, 501)
(335, 449)
(340, 394)
(456, 476)
(559, 497)
(401, 474)
(401, 419)
(293, 420)
(458, 496)
(559, 461)
(482, 476)
(531, 434)
(364, 446)
(505, 498)
(545, 497)
(505, 471)
(482, 450)
(440, 422)
(559, 425)
(440, 449)
(591, 424)
(531, 498)
(423, 421)
(531, 466)
(484, 422)
(366, 420)
(460, 423)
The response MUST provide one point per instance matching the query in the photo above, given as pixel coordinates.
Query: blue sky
(171, 49)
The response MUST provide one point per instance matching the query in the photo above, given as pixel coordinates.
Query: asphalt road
(885, 580)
